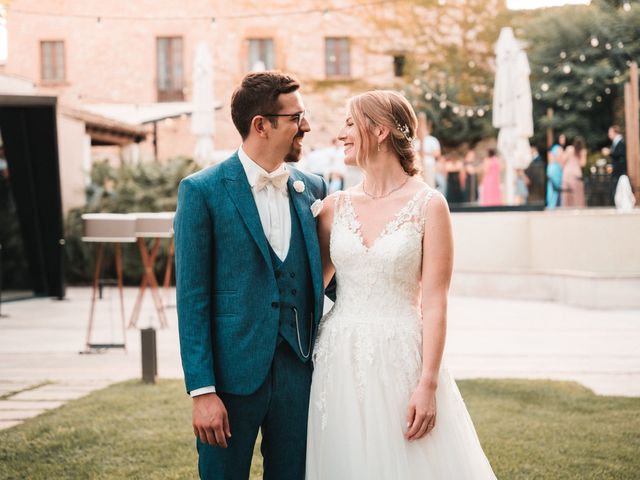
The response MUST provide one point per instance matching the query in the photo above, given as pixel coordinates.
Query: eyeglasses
(298, 116)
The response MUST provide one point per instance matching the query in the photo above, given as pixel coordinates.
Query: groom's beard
(295, 153)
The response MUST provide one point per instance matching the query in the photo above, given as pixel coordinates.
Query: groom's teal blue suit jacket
(227, 293)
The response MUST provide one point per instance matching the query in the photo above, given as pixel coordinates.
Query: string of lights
(572, 63)
(326, 11)
(462, 110)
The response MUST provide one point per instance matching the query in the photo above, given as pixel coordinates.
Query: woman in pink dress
(572, 183)
(490, 194)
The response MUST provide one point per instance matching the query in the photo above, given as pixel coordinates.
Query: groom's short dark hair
(258, 95)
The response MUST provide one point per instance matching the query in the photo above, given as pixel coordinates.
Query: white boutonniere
(316, 207)
(298, 186)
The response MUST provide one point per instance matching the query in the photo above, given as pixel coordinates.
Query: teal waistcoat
(293, 277)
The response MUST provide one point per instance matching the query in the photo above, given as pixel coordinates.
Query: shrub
(142, 187)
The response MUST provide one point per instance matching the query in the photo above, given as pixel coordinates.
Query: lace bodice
(377, 309)
(381, 281)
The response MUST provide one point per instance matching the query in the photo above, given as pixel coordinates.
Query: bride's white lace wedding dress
(368, 359)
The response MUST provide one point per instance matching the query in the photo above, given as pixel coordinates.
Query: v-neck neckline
(385, 230)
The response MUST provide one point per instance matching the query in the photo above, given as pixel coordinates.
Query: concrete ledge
(600, 241)
(580, 289)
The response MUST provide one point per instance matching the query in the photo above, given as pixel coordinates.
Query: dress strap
(413, 212)
(344, 212)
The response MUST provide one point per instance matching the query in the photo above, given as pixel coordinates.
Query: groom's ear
(259, 125)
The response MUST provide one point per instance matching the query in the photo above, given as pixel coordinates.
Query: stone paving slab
(19, 414)
(4, 424)
(28, 405)
(9, 387)
(42, 394)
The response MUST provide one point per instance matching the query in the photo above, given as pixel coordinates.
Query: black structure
(470, 207)
(30, 138)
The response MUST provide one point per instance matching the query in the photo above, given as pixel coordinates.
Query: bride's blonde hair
(388, 109)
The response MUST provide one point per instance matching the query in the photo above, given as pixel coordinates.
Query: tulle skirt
(362, 381)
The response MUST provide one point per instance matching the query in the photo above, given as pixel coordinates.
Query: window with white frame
(170, 70)
(52, 61)
(260, 54)
(337, 57)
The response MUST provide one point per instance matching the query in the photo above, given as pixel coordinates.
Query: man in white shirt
(249, 288)
(428, 147)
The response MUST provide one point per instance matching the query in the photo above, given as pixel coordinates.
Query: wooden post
(149, 355)
(549, 129)
(632, 129)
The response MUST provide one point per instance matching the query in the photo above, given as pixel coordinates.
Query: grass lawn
(529, 430)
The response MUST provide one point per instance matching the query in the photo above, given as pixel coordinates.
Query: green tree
(450, 61)
(580, 56)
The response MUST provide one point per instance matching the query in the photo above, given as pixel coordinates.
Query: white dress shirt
(275, 217)
(616, 141)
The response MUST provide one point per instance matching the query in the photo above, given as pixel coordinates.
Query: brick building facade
(122, 52)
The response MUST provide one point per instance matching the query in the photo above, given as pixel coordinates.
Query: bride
(382, 406)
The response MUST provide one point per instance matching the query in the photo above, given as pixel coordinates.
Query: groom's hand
(210, 420)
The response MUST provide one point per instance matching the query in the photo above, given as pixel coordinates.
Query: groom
(249, 288)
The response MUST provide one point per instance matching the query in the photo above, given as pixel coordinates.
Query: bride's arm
(325, 221)
(437, 267)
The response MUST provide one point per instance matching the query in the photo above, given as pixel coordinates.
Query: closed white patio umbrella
(512, 107)
(203, 120)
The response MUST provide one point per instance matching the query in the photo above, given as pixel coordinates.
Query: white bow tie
(277, 179)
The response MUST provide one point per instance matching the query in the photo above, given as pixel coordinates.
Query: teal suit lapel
(237, 186)
(302, 204)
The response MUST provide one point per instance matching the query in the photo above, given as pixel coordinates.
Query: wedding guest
(455, 180)
(618, 152)
(521, 190)
(572, 181)
(471, 177)
(428, 147)
(536, 177)
(554, 177)
(490, 194)
(441, 175)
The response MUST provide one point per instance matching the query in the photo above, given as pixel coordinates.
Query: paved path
(40, 367)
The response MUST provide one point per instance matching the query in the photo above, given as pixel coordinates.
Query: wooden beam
(633, 131)
(108, 138)
(550, 129)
